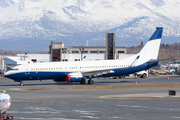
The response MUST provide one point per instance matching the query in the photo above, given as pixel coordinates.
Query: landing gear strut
(90, 81)
(83, 82)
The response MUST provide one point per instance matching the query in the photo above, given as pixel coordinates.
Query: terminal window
(84, 51)
(93, 51)
(56, 59)
(75, 51)
(65, 60)
(102, 51)
(56, 52)
(120, 51)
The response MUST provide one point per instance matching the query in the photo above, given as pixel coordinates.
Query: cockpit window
(14, 69)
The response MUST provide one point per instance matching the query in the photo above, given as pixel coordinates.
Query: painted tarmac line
(32, 98)
(141, 96)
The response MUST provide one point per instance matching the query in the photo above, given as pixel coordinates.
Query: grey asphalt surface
(87, 104)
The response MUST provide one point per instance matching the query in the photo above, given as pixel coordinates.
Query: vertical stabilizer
(151, 48)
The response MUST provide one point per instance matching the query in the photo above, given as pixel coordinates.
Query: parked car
(178, 70)
(142, 74)
(171, 70)
(161, 71)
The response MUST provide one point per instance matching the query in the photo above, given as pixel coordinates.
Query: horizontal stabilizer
(157, 60)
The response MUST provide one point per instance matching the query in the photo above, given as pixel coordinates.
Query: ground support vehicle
(142, 74)
(5, 116)
(172, 71)
(161, 71)
(5, 102)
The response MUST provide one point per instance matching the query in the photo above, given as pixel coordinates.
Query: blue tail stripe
(157, 34)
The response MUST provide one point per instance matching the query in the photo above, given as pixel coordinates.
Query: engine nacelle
(74, 77)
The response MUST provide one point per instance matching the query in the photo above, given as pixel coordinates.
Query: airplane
(5, 101)
(80, 71)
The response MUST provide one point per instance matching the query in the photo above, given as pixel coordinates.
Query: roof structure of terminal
(84, 46)
(91, 47)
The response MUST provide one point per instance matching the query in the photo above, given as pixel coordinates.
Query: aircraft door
(27, 70)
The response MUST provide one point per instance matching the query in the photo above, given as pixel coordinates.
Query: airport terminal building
(59, 52)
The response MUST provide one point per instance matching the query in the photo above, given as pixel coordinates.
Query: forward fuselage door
(27, 70)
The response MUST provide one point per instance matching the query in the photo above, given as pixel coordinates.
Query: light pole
(1, 102)
(81, 50)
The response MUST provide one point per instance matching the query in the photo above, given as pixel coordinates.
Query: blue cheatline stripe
(127, 71)
(21, 76)
(157, 34)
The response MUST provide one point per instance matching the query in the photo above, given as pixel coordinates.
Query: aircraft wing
(105, 71)
(98, 72)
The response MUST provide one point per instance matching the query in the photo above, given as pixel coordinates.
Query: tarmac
(176, 85)
(115, 99)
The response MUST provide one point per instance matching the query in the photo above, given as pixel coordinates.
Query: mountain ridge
(76, 21)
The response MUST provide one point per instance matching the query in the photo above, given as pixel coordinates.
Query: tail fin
(151, 49)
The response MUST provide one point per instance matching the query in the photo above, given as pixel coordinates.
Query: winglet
(135, 61)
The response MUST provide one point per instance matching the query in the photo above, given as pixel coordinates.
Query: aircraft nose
(6, 74)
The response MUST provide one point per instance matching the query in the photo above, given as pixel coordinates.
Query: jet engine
(72, 77)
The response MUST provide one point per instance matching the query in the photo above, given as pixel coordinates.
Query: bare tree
(166, 51)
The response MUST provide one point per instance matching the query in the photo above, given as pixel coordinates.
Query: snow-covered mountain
(32, 24)
(6, 3)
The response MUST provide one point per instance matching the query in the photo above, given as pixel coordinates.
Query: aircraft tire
(144, 76)
(90, 82)
(21, 84)
(83, 82)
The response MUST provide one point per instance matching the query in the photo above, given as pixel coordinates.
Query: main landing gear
(90, 81)
(83, 82)
(21, 84)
